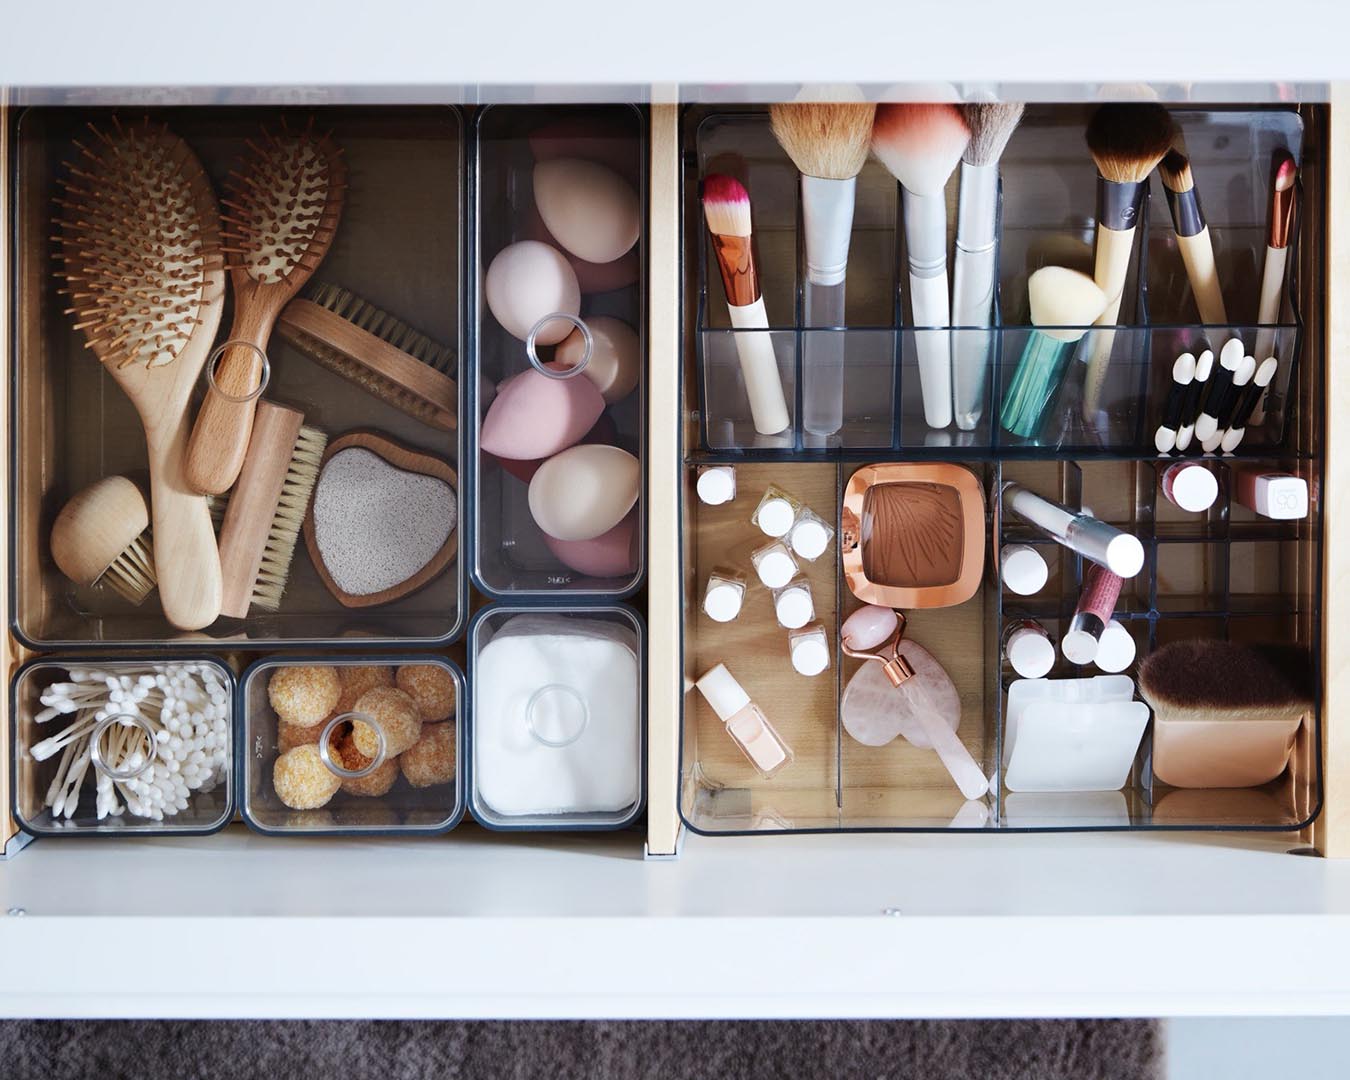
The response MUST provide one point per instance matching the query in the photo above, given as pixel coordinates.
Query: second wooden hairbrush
(281, 211)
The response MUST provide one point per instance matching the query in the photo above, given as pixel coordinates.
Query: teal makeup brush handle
(1034, 384)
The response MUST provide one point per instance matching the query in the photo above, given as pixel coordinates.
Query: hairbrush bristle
(991, 126)
(726, 205)
(139, 243)
(282, 203)
(279, 551)
(383, 325)
(920, 144)
(1222, 678)
(825, 139)
(1128, 140)
(132, 574)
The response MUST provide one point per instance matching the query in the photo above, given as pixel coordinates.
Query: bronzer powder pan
(913, 535)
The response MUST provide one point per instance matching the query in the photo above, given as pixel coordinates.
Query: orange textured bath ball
(304, 695)
(375, 783)
(356, 679)
(396, 714)
(289, 736)
(301, 780)
(430, 760)
(432, 687)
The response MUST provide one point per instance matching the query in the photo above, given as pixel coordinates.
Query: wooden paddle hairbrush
(282, 205)
(139, 249)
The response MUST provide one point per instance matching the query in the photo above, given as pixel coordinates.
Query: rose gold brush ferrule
(736, 259)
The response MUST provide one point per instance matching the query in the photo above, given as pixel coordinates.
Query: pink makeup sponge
(604, 434)
(534, 416)
(612, 554)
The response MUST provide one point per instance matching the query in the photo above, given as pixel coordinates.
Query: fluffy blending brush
(1256, 390)
(282, 205)
(991, 126)
(828, 143)
(1188, 222)
(267, 508)
(1126, 143)
(381, 354)
(1183, 378)
(920, 145)
(1279, 229)
(101, 539)
(1224, 714)
(139, 250)
(1063, 304)
(726, 206)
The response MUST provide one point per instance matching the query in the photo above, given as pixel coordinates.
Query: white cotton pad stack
(585, 667)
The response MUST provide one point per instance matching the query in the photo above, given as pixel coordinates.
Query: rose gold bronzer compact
(912, 535)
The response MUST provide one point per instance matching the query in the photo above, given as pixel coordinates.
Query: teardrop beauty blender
(534, 416)
(604, 433)
(610, 555)
(584, 492)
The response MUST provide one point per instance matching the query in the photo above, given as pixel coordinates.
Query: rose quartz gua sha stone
(903, 691)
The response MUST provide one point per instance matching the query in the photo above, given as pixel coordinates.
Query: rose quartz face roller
(905, 693)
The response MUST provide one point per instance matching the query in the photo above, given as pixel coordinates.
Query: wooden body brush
(101, 539)
(282, 206)
(139, 250)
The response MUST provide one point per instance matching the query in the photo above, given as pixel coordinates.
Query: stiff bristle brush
(921, 145)
(376, 351)
(267, 509)
(139, 250)
(101, 539)
(975, 270)
(828, 142)
(726, 206)
(1126, 142)
(282, 205)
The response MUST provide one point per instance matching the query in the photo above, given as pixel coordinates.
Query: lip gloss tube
(1095, 540)
(1096, 604)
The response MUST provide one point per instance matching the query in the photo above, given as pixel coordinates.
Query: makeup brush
(828, 143)
(1279, 229)
(1242, 377)
(920, 145)
(1221, 386)
(1247, 403)
(975, 271)
(1063, 305)
(1188, 222)
(1183, 377)
(1126, 142)
(726, 206)
(1195, 397)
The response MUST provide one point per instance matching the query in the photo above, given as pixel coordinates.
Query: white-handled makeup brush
(828, 143)
(976, 269)
(921, 145)
(1279, 228)
(1183, 377)
(726, 205)
(1253, 394)
(1126, 142)
(1188, 222)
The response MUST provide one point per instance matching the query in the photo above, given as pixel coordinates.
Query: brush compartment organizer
(397, 248)
(557, 188)
(1109, 388)
(558, 731)
(123, 747)
(394, 762)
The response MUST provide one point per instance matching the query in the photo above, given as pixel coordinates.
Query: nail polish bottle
(810, 535)
(716, 484)
(723, 596)
(774, 564)
(793, 604)
(776, 512)
(746, 723)
(809, 649)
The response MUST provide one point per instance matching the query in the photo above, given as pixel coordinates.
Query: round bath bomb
(525, 282)
(356, 679)
(395, 712)
(304, 695)
(604, 433)
(301, 780)
(584, 492)
(615, 356)
(535, 416)
(289, 736)
(375, 783)
(610, 555)
(591, 210)
(431, 759)
(433, 689)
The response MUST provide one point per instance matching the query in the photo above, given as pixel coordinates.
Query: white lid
(1194, 488)
(717, 485)
(723, 692)
(1281, 497)
(810, 538)
(775, 516)
(810, 655)
(775, 568)
(1031, 653)
(794, 607)
(1079, 647)
(722, 602)
(1024, 570)
(1124, 555)
(1115, 649)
